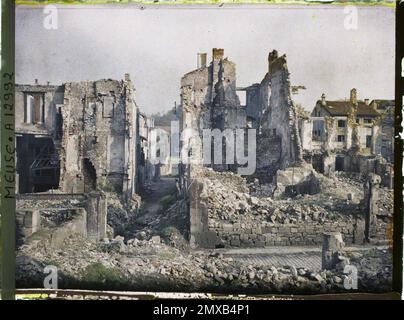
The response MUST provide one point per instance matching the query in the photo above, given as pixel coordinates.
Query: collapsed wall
(54, 217)
(280, 117)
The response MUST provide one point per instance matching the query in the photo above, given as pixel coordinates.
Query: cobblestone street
(300, 257)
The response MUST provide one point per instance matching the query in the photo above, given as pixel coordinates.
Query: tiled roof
(342, 108)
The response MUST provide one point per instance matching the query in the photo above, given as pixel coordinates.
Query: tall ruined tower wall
(99, 131)
(281, 119)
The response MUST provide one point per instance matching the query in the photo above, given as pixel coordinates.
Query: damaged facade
(297, 154)
(82, 136)
(79, 139)
(342, 125)
(99, 137)
(351, 136)
(209, 101)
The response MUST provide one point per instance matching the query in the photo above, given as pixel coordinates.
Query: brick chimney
(217, 53)
(353, 98)
(36, 81)
(323, 99)
(127, 77)
(367, 102)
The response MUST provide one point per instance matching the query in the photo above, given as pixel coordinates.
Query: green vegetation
(98, 276)
(167, 201)
(108, 187)
(164, 119)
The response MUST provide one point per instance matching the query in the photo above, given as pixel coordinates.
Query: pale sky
(158, 46)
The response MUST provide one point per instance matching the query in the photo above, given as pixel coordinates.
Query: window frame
(342, 136)
(341, 121)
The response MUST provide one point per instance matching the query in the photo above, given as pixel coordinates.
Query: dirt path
(152, 200)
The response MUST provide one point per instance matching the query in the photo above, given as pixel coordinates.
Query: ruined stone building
(339, 135)
(208, 95)
(76, 137)
(295, 150)
(209, 101)
(279, 140)
(74, 142)
(38, 122)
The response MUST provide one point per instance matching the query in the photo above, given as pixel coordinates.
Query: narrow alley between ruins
(155, 199)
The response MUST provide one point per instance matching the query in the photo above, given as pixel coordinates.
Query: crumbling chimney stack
(36, 82)
(367, 102)
(217, 54)
(353, 97)
(202, 57)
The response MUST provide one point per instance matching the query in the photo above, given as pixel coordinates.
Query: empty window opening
(37, 159)
(341, 123)
(90, 176)
(368, 141)
(34, 111)
(108, 107)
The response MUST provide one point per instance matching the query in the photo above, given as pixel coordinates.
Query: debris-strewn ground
(155, 255)
(232, 198)
(152, 265)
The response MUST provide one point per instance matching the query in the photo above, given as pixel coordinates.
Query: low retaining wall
(302, 233)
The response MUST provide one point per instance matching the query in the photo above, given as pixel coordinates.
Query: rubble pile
(374, 269)
(230, 199)
(225, 180)
(51, 218)
(240, 218)
(386, 203)
(263, 190)
(118, 216)
(152, 265)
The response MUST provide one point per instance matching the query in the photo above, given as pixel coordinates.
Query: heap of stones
(150, 264)
(230, 199)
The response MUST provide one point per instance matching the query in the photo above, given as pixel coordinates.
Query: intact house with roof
(349, 135)
(334, 123)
